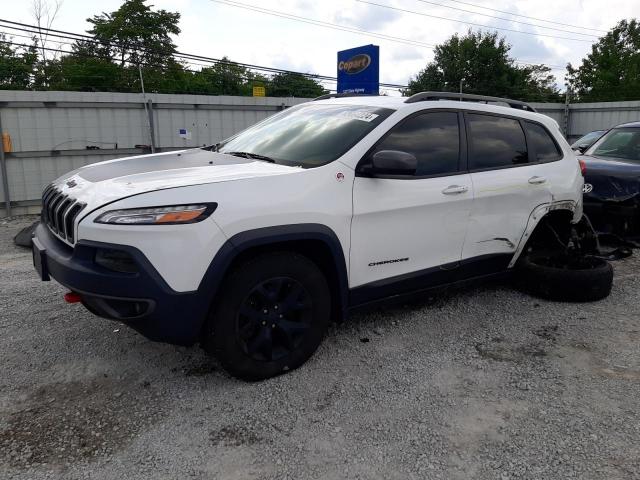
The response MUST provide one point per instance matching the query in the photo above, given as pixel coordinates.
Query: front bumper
(620, 218)
(142, 300)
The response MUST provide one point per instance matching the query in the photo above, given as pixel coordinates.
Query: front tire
(270, 316)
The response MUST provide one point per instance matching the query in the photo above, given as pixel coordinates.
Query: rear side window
(542, 144)
(434, 139)
(495, 142)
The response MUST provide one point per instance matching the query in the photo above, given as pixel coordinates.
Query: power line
(158, 66)
(86, 38)
(191, 57)
(526, 16)
(507, 19)
(212, 61)
(324, 24)
(342, 27)
(471, 23)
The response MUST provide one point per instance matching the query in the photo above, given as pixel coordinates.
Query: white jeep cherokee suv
(253, 245)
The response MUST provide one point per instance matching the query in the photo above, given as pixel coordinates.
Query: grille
(59, 212)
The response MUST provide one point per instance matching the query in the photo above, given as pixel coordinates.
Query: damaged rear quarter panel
(537, 215)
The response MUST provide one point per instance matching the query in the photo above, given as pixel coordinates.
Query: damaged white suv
(254, 245)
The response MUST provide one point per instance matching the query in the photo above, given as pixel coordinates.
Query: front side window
(618, 143)
(542, 143)
(433, 138)
(309, 135)
(496, 142)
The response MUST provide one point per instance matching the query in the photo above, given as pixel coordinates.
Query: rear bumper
(142, 300)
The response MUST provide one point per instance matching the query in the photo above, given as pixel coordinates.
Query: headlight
(170, 215)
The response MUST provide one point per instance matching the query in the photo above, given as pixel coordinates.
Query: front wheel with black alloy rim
(565, 278)
(270, 317)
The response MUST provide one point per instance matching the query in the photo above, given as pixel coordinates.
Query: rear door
(405, 227)
(508, 162)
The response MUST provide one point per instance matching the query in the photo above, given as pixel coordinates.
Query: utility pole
(146, 111)
(3, 172)
(565, 122)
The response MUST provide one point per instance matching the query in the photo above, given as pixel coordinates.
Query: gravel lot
(480, 383)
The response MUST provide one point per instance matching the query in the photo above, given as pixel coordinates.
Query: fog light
(116, 260)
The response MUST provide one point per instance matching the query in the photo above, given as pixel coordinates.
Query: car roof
(628, 125)
(398, 103)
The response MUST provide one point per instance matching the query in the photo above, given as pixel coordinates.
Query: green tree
(294, 85)
(611, 72)
(17, 65)
(136, 34)
(83, 73)
(480, 62)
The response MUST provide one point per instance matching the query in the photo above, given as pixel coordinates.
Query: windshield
(309, 135)
(588, 139)
(618, 143)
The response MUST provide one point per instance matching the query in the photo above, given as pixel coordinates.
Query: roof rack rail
(341, 95)
(468, 97)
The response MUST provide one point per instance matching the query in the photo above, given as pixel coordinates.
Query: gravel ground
(480, 383)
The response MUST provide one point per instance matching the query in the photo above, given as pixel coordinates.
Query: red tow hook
(72, 297)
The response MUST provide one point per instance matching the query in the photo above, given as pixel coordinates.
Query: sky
(216, 28)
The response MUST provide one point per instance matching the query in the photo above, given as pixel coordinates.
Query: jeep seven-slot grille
(59, 212)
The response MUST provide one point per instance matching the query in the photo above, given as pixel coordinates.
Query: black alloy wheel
(270, 316)
(274, 318)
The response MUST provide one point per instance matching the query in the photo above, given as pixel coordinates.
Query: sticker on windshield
(361, 115)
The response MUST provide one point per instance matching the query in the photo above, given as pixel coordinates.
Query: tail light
(583, 167)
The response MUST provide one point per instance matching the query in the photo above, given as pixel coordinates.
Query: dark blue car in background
(612, 181)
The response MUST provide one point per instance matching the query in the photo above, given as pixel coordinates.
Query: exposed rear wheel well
(552, 231)
(556, 232)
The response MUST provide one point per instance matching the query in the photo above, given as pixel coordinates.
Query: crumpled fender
(537, 215)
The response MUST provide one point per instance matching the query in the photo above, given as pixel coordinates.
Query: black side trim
(429, 278)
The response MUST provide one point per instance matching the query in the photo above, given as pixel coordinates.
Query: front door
(406, 228)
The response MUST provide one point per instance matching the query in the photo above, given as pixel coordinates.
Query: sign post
(359, 70)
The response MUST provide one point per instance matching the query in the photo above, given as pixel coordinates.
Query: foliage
(16, 65)
(480, 60)
(611, 72)
(294, 84)
(136, 37)
(136, 34)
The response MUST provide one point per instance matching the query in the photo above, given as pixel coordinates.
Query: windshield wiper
(252, 156)
(212, 148)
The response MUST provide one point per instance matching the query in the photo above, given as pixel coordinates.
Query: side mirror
(393, 162)
(580, 148)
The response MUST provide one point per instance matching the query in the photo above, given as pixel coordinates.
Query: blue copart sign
(359, 70)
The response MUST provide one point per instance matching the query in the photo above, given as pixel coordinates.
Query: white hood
(105, 182)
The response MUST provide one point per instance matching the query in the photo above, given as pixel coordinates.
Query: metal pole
(144, 101)
(152, 126)
(3, 171)
(565, 122)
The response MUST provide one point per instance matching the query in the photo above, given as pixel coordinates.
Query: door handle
(536, 180)
(455, 189)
